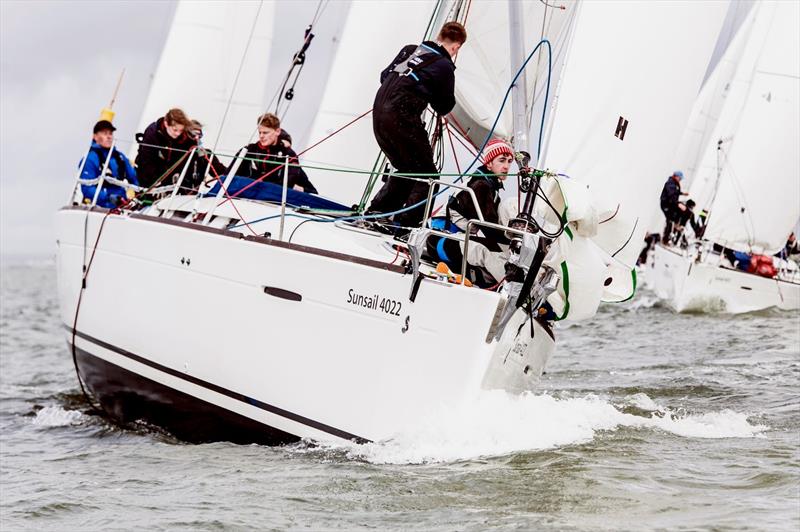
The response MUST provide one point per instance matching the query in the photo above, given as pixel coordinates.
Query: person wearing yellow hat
(119, 168)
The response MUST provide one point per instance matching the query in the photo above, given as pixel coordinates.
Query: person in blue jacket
(119, 167)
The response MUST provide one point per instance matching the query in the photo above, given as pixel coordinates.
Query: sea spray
(496, 423)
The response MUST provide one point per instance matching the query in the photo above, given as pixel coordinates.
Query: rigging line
(225, 191)
(741, 198)
(238, 73)
(85, 275)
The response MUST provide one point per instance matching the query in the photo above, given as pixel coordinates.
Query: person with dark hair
(670, 203)
(420, 75)
(485, 250)
(119, 168)
(686, 217)
(198, 167)
(268, 154)
(161, 146)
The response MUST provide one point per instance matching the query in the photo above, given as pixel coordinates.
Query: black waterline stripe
(224, 391)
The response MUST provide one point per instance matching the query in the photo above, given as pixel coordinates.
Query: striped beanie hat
(494, 148)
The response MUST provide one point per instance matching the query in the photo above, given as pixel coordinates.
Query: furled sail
(200, 63)
(749, 175)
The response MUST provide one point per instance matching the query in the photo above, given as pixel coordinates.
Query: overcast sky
(59, 64)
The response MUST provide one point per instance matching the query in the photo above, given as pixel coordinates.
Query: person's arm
(92, 167)
(130, 170)
(298, 176)
(442, 87)
(147, 159)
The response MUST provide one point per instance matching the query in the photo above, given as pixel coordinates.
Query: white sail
(365, 50)
(199, 66)
(623, 101)
(485, 68)
(749, 182)
(709, 104)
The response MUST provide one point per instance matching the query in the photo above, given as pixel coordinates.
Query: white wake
(496, 424)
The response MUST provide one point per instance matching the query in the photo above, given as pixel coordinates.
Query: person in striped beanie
(486, 252)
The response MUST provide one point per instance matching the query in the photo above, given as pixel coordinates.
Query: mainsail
(747, 177)
(200, 63)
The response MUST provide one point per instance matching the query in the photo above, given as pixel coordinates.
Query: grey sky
(60, 63)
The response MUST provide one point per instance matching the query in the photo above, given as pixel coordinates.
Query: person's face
(268, 136)
(500, 165)
(104, 138)
(174, 130)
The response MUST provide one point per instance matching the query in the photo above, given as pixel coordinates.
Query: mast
(519, 100)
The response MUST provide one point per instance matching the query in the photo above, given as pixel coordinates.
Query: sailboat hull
(219, 337)
(689, 286)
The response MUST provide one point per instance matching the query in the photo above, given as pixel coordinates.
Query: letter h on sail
(622, 126)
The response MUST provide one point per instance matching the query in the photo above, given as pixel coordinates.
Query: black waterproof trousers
(401, 135)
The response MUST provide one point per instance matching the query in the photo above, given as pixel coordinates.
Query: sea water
(645, 420)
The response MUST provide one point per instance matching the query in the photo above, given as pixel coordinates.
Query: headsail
(365, 50)
(749, 182)
(623, 101)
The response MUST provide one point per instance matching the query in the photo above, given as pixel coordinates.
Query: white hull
(271, 332)
(687, 285)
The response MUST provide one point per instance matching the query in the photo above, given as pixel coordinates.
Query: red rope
(225, 191)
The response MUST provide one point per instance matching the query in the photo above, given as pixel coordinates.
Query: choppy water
(646, 420)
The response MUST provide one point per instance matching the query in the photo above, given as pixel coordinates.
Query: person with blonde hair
(161, 146)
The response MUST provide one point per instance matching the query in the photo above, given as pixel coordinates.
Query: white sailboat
(250, 320)
(741, 154)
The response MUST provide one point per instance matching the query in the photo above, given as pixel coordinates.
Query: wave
(496, 424)
(55, 416)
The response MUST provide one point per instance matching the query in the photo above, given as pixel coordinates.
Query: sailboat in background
(254, 320)
(740, 152)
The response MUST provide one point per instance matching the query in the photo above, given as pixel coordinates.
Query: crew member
(268, 156)
(202, 156)
(686, 217)
(420, 75)
(670, 204)
(483, 252)
(119, 167)
(162, 146)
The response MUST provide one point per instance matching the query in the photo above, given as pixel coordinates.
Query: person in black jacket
(162, 145)
(670, 204)
(419, 76)
(268, 156)
(484, 252)
(198, 167)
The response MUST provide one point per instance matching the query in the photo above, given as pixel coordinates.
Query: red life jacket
(762, 265)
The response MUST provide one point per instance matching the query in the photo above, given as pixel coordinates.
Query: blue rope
(477, 156)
